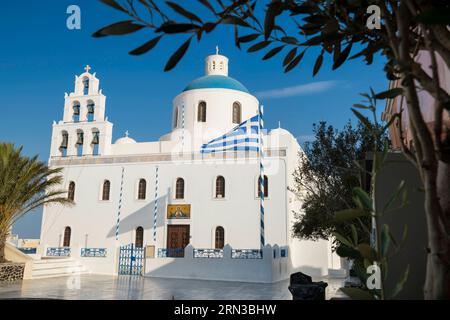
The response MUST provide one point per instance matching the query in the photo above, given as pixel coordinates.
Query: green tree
(336, 29)
(325, 177)
(25, 184)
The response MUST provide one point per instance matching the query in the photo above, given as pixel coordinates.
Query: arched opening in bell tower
(76, 111)
(90, 110)
(79, 143)
(86, 86)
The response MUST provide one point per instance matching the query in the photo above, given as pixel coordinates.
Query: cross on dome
(87, 68)
(127, 133)
(217, 50)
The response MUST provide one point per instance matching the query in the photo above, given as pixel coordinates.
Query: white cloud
(302, 89)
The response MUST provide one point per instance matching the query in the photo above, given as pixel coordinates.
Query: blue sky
(40, 56)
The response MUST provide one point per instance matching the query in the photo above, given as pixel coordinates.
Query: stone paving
(87, 287)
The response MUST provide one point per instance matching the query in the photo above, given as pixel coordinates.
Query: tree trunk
(437, 283)
(2, 247)
(441, 264)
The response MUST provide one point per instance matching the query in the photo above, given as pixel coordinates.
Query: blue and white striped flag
(244, 137)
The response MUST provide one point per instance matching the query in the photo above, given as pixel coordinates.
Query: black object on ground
(302, 287)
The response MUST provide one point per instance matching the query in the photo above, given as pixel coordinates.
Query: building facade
(166, 196)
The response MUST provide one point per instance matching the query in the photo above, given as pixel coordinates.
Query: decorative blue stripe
(120, 205)
(236, 148)
(231, 143)
(155, 214)
(261, 175)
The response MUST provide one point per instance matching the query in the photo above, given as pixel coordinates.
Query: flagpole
(261, 175)
(120, 205)
(155, 213)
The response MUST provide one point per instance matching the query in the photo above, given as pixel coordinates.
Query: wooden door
(177, 240)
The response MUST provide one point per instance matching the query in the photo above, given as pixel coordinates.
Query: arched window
(106, 190)
(266, 187)
(220, 238)
(90, 111)
(237, 113)
(86, 86)
(79, 144)
(220, 187)
(142, 189)
(64, 143)
(179, 189)
(95, 141)
(175, 117)
(66, 239)
(76, 112)
(201, 112)
(139, 242)
(71, 192)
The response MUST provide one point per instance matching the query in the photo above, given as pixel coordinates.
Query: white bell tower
(216, 64)
(84, 130)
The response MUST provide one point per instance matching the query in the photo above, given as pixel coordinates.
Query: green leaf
(364, 198)
(395, 195)
(248, 38)
(389, 94)
(399, 286)
(361, 106)
(366, 251)
(294, 62)
(176, 57)
(342, 57)
(273, 10)
(349, 214)
(385, 240)
(258, 46)
(363, 119)
(354, 234)
(114, 4)
(235, 21)
(172, 28)
(357, 294)
(146, 46)
(342, 239)
(434, 16)
(318, 63)
(272, 52)
(290, 55)
(290, 40)
(347, 252)
(118, 28)
(177, 8)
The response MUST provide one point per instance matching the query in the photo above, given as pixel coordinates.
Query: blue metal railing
(170, 252)
(208, 253)
(246, 254)
(93, 252)
(58, 252)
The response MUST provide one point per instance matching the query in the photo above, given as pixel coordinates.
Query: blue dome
(216, 81)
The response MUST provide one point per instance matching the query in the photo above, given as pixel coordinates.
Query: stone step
(57, 267)
(64, 274)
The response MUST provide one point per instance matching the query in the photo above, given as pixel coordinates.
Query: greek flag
(244, 137)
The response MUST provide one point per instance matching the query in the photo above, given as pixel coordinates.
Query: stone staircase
(56, 267)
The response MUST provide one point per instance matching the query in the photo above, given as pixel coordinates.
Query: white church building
(166, 208)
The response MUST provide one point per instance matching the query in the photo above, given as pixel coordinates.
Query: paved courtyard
(88, 287)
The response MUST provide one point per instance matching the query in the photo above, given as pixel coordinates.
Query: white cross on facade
(87, 68)
(217, 49)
